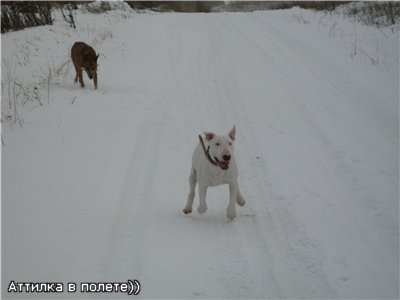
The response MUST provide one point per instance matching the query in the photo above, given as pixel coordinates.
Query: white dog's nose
(226, 157)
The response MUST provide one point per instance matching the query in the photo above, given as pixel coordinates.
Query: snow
(94, 182)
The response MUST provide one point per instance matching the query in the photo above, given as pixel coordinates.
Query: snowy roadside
(37, 60)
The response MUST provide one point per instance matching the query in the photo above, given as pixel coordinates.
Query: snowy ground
(94, 183)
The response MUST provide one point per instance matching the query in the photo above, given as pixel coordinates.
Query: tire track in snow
(134, 197)
(297, 251)
(129, 232)
(355, 198)
(336, 168)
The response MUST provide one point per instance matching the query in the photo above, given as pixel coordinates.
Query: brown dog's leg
(76, 70)
(79, 73)
(78, 76)
(95, 80)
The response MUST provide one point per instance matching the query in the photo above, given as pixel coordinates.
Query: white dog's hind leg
(239, 199)
(192, 186)
(233, 194)
(202, 196)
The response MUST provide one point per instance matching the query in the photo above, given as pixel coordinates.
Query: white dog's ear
(209, 136)
(232, 133)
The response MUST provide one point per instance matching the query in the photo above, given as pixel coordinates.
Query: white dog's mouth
(224, 165)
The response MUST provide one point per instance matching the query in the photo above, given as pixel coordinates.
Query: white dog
(213, 163)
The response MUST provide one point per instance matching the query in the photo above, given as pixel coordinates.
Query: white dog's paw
(202, 209)
(240, 201)
(231, 214)
(187, 210)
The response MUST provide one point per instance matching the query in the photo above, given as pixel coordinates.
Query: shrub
(16, 15)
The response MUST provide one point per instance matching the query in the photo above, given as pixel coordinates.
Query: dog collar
(206, 152)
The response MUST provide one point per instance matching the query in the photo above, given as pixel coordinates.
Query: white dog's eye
(216, 144)
(230, 144)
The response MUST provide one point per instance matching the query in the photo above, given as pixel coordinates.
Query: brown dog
(84, 58)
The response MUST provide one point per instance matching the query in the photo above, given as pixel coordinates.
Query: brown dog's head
(90, 64)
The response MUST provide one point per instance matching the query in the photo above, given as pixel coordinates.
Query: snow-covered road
(94, 184)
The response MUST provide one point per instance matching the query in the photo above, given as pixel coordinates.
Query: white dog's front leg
(233, 191)
(192, 185)
(239, 199)
(202, 196)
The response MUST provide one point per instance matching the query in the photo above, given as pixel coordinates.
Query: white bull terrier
(213, 163)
